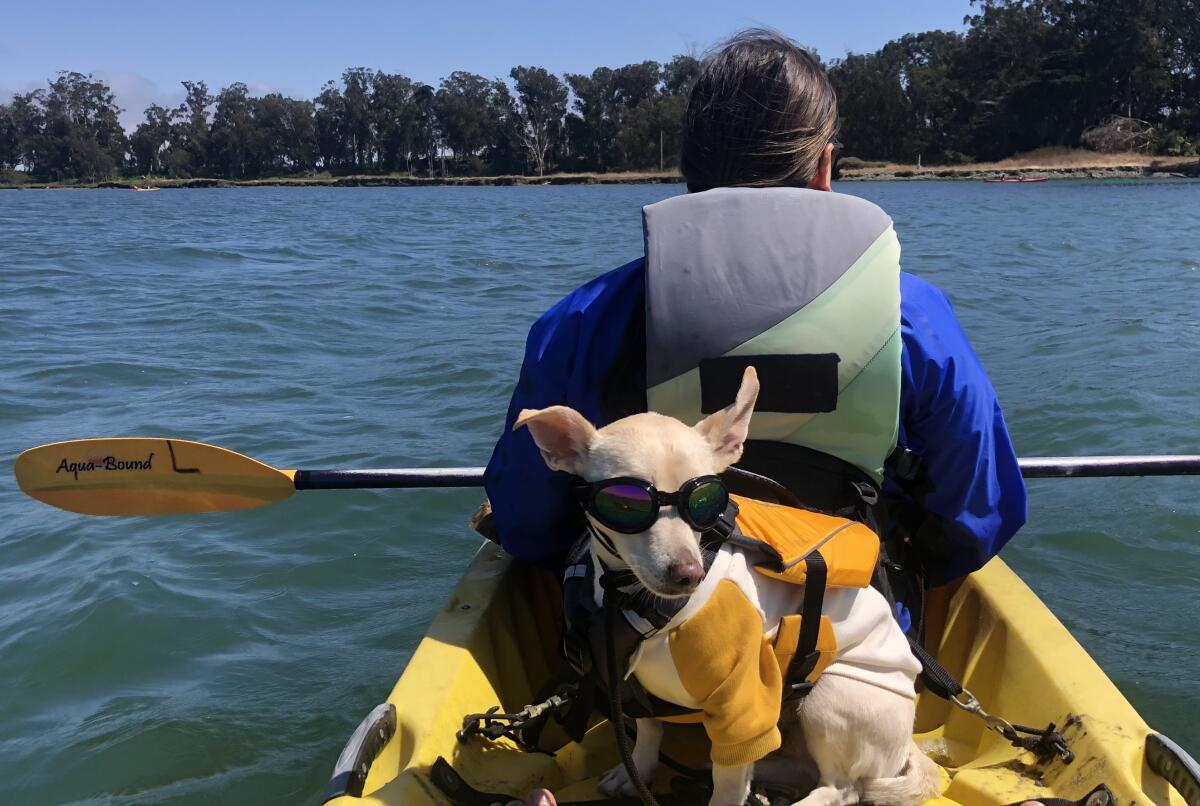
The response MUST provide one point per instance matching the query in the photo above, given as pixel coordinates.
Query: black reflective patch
(792, 384)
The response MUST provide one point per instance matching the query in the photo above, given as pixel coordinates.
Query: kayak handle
(1173, 763)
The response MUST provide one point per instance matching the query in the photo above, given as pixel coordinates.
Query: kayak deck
(494, 643)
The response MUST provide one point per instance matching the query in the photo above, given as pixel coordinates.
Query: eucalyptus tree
(465, 115)
(928, 65)
(679, 74)
(630, 117)
(426, 140)
(329, 136)
(69, 131)
(284, 135)
(904, 101)
(541, 106)
(9, 144)
(649, 133)
(28, 121)
(190, 134)
(234, 134)
(592, 126)
(394, 119)
(639, 121)
(150, 143)
(1183, 42)
(356, 117)
(507, 154)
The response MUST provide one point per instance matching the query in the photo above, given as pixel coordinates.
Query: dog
(857, 733)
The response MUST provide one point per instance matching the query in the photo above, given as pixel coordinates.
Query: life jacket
(797, 546)
(805, 286)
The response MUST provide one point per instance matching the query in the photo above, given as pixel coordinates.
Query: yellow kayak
(494, 644)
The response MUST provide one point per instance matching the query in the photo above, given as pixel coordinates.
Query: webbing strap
(936, 678)
(1044, 742)
(807, 655)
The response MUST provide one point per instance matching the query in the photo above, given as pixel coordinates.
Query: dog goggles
(629, 505)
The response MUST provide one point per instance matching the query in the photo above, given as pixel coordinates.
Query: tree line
(1027, 74)
(1024, 74)
(369, 121)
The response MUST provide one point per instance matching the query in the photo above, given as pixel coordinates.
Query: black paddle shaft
(1097, 466)
(402, 478)
(1047, 467)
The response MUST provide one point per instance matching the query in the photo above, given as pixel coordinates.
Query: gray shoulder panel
(725, 265)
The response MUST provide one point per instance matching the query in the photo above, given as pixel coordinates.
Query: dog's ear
(726, 429)
(562, 435)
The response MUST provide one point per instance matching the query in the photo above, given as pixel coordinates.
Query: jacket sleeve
(725, 662)
(566, 354)
(950, 416)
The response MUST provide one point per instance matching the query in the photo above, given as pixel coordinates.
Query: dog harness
(785, 598)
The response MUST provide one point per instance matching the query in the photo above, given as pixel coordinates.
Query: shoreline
(360, 180)
(1165, 168)
(968, 173)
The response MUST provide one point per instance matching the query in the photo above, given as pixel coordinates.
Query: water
(225, 658)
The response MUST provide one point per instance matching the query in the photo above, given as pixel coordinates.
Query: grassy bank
(366, 180)
(1053, 163)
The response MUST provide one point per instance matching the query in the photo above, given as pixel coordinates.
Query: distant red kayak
(1015, 180)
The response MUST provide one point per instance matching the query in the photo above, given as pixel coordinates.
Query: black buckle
(903, 464)
(867, 493)
(721, 530)
(796, 684)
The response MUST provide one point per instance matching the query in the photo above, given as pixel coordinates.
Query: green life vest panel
(802, 284)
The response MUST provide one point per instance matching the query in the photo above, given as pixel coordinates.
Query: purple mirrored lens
(623, 506)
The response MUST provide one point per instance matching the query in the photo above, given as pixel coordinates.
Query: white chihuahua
(856, 723)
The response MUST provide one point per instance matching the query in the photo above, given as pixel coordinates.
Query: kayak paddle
(142, 476)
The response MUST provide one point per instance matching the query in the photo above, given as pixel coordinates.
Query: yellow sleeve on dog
(724, 661)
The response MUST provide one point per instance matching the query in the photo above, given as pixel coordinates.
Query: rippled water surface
(226, 657)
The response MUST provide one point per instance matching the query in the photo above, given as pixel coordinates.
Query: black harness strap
(820, 480)
(600, 537)
(933, 674)
(753, 485)
(612, 605)
(807, 655)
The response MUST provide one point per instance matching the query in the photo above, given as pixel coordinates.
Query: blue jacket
(948, 414)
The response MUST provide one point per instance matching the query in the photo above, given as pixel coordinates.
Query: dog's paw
(615, 783)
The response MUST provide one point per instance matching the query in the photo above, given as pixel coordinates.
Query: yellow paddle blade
(142, 476)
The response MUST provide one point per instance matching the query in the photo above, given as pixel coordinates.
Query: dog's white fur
(858, 736)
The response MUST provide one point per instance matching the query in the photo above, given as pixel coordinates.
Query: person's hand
(539, 797)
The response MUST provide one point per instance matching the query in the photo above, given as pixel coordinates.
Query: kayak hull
(494, 643)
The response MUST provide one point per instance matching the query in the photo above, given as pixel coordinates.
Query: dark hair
(760, 114)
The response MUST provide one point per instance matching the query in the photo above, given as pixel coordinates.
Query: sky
(143, 49)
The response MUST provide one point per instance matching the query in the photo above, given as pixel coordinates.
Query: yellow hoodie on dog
(725, 653)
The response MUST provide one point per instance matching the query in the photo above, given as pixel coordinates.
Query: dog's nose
(685, 573)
